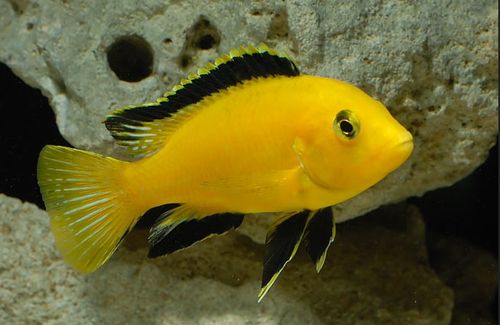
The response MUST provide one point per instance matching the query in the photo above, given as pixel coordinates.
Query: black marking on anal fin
(149, 218)
(136, 127)
(319, 234)
(281, 245)
(192, 231)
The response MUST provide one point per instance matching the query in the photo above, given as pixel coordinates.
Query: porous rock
(433, 63)
(377, 274)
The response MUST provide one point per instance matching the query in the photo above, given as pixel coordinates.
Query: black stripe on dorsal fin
(144, 128)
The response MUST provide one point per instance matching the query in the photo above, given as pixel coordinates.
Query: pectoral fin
(282, 243)
(319, 234)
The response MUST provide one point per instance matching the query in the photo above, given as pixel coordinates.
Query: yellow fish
(247, 134)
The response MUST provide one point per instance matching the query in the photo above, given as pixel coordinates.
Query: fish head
(350, 141)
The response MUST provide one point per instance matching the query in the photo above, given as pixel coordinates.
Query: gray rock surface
(433, 63)
(377, 274)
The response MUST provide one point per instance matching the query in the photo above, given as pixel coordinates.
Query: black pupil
(346, 127)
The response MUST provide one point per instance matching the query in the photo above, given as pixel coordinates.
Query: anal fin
(282, 243)
(320, 233)
(182, 228)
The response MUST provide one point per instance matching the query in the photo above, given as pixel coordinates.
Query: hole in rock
(201, 36)
(184, 61)
(279, 25)
(131, 58)
(19, 6)
(206, 42)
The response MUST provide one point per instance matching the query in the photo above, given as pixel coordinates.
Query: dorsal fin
(144, 128)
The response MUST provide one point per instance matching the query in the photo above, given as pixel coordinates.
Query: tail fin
(89, 208)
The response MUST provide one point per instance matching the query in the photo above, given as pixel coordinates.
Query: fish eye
(346, 125)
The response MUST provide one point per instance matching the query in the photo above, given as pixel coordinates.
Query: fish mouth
(405, 143)
(408, 144)
(404, 149)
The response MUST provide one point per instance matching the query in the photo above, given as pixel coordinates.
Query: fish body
(246, 157)
(247, 134)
